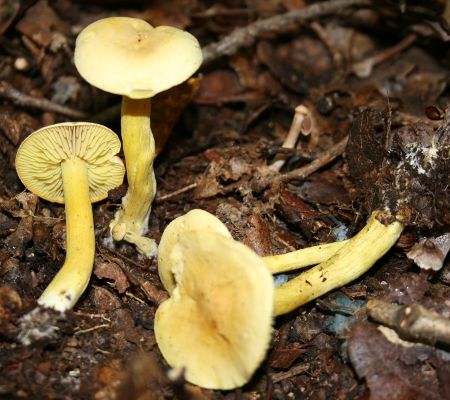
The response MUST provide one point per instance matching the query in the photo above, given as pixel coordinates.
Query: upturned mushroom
(200, 220)
(129, 57)
(194, 220)
(217, 323)
(338, 263)
(74, 164)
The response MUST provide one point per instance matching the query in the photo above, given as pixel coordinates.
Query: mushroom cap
(128, 56)
(217, 323)
(39, 159)
(193, 220)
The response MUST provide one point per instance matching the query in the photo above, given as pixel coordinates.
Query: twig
(329, 43)
(151, 292)
(364, 68)
(22, 99)
(114, 254)
(175, 193)
(323, 159)
(303, 172)
(94, 328)
(281, 376)
(279, 24)
(91, 316)
(413, 321)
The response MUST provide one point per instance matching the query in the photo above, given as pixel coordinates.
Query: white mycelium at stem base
(73, 277)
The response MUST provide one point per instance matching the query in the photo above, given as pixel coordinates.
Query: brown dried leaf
(258, 235)
(111, 271)
(40, 23)
(167, 108)
(325, 188)
(283, 358)
(144, 379)
(16, 125)
(392, 371)
(161, 12)
(109, 376)
(105, 301)
(218, 85)
(430, 253)
(10, 305)
(208, 185)
(286, 75)
(17, 241)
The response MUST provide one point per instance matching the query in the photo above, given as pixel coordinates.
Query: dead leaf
(40, 23)
(16, 125)
(258, 235)
(218, 85)
(105, 301)
(18, 240)
(392, 371)
(283, 358)
(207, 185)
(10, 305)
(111, 271)
(167, 108)
(430, 253)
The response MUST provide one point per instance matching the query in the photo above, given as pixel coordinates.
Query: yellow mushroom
(200, 220)
(75, 164)
(196, 219)
(128, 56)
(302, 258)
(217, 323)
(355, 258)
(338, 263)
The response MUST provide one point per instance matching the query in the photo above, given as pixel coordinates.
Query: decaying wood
(412, 321)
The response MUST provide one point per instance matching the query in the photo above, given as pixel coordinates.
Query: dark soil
(216, 159)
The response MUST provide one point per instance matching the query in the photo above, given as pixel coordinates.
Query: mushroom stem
(302, 258)
(131, 221)
(354, 258)
(70, 282)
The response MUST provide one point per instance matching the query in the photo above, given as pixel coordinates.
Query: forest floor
(339, 60)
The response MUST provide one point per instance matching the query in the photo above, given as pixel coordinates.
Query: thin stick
(364, 68)
(22, 99)
(279, 24)
(324, 159)
(94, 328)
(281, 376)
(303, 172)
(176, 192)
(413, 321)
